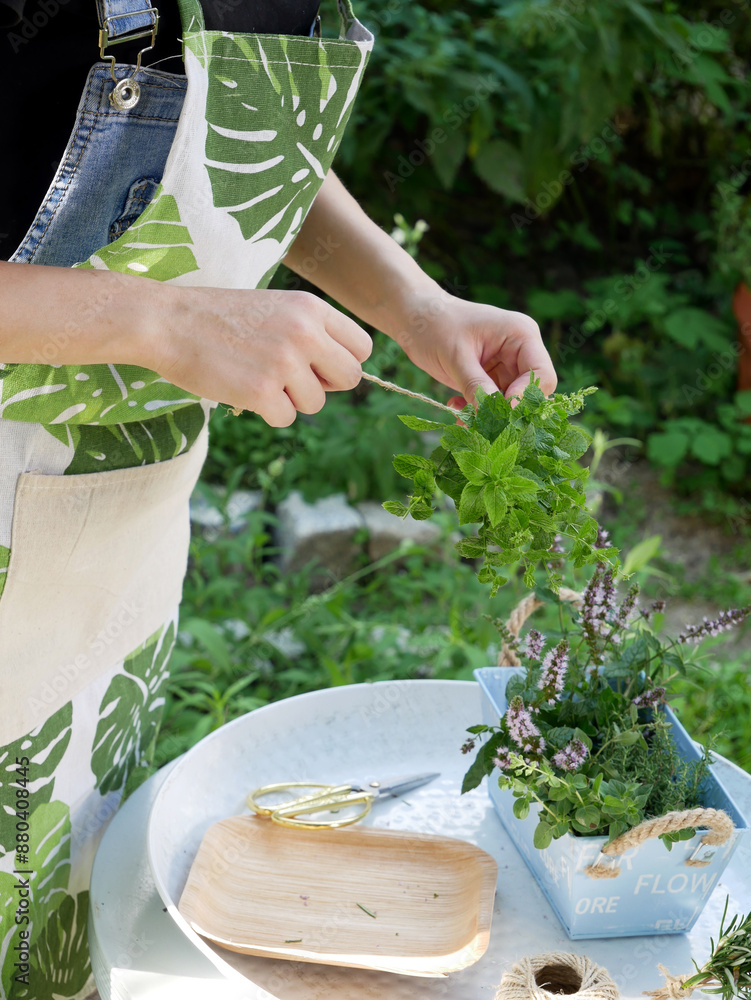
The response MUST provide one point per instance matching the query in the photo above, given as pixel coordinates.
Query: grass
(719, 704)
(250, 635)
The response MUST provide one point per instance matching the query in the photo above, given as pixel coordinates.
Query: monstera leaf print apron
(201, 185)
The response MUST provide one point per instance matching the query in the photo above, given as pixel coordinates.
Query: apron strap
(191, 13)
(126, 17)
(346, 16)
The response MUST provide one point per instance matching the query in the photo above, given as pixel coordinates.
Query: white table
(139, 952)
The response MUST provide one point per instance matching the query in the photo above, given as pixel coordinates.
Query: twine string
(237, 410)
(673, 988)
(408, 392)
(720, 824)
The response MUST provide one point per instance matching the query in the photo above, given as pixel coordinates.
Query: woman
(177, 204)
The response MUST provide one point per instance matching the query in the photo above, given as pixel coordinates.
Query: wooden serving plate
(362, 897)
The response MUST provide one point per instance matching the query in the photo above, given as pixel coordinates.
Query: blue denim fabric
(121, 25)
(111, 167)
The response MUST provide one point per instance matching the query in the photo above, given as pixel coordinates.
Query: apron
(200, 185)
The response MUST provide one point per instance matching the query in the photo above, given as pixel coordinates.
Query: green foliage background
(567, 156)
(579, 189)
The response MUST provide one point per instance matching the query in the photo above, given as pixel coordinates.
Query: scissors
(331, 798)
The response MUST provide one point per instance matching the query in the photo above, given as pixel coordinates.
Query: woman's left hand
(468, 344)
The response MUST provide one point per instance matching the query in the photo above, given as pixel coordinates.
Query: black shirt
(47, 48)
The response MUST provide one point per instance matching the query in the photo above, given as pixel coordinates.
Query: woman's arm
(462, 344)
(268, 351)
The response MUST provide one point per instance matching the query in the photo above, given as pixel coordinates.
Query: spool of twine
(527, 606)
(556, 974)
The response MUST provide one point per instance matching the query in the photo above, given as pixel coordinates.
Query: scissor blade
(398, 786)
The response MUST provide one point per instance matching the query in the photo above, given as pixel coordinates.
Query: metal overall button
(126, 94)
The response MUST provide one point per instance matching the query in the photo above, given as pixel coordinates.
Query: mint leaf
(421, 511)
(408, 465)
(502, 460)
(420, 424)
(521, 808)
(476, 467)
(495, 502)
(396, 507)
(543, 836)
(471, 508)
(470, 548)
(520, 485)
(513, 471)
(533, 396)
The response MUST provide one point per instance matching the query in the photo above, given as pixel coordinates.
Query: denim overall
(198, 181)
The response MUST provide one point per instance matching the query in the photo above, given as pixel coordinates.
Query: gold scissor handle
(286, 813)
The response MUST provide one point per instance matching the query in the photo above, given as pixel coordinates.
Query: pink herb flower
(628, 607)
(555, 550)
(535, 644)
(655, 608)
(522, 729)
(571, 757)
(554, 668)
(722, 623)
(650, 698)
(502, 759)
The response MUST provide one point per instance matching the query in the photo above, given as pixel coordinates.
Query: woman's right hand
(274, 352)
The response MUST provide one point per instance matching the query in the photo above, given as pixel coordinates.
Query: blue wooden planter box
(655, 892)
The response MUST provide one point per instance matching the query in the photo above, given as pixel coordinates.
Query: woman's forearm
(264, 350)
(465, 345)
(60, 315)
(347, 255)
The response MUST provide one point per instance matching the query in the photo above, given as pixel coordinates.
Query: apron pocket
(140, 194)
(96, 567)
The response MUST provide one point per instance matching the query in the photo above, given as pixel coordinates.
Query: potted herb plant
(589, 769)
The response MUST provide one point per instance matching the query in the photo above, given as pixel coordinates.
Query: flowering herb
(513, 471)
(583, 736)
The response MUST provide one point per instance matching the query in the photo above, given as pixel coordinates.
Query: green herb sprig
(727, 971)
(513, 471)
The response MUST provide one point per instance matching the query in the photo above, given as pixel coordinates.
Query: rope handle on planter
(527, 606)
(720, 826)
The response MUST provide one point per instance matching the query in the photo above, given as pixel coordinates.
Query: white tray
(394, 727)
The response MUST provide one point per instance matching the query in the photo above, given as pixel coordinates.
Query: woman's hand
(467, 344)
(274, 352)
(462, 344)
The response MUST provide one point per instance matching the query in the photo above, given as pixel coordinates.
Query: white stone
(209, 515)
(323, 532)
